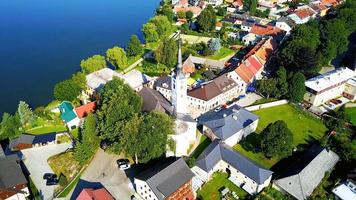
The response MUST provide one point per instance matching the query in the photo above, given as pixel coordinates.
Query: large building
(242, 171)
(302, 177)
(168, 180)
(327, 86)
(13, 184)
(229, 125)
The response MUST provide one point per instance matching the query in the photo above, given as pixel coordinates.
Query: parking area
(103, 171)
(35, 160)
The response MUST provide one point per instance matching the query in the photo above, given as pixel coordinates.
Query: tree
(344, 144)
(214, 45)
(206, 21)
(25, 113)
(149, 30)
(80, 80)
(221, 11)
(134, 48)
(66, 90)
(251, 6)
(189, 14)
(296, 89)
(277, 140)
(117, 57)
(93, 64)
(163, 25)
(337, 120)
(166, 53)
(10, 126)
(118, 104)
(181, 15)
(267, 87)
(282, 83)
(168, 12)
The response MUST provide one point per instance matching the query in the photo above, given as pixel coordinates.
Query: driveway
(103, 171)
(249, 99)
(36, 163)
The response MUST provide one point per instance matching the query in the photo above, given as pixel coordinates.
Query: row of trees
(125, 129)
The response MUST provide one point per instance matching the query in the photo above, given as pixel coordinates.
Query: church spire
(179, 54)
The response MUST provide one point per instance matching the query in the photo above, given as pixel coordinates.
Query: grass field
(304, 128)
(210, 190)
(352, 113)
(223, 52)
(47, 129)
(65, 164)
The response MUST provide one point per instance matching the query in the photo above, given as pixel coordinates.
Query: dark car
(52, 181)
(122, 161)
(49, 176)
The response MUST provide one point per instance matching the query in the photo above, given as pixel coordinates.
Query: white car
(124, 166)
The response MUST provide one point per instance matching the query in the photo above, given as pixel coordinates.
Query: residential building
(136, 79)
(194, 2)
(243, 172)
(214, 93)
(263, 31)
(329, 85)
(238, 4)
(154, 101)
(97, 80)
(94, 194)
(268, 3)
(68, 115)
(319, 7)
(164, 86)
(215, 2)
(13, 184)
(170, 179)
(83, 110)
(229, 125)
(304, 175)
(350, 89)
(346, 190)
(26, 141)
(286, 24)
(302, 15)
(204, 62)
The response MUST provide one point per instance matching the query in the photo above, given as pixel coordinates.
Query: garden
(351, 112)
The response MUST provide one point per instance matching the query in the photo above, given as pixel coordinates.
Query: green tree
(118, 104)
(149, 30)
(25, 113)
(267, 87)
(134, 48)
(80, 80)
(251, 6)
(189, 15)
(282, 83)
(181, 15)
(206, 21)
(66, 91)
(214, 45)
(166, 52)
(168, 12)
(296, 87)
(117, 57)
(277, 140)
(163, 25)
(221, 11)
(93, 64)
(10, 126)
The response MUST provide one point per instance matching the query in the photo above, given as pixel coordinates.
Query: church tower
(179, 86)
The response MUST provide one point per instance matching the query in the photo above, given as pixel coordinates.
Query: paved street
(36, 163)
(249, 99)
(103, 171)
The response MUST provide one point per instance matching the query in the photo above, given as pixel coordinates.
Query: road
(36, 163)
(103, 172)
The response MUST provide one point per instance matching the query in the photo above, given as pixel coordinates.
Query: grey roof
(218, 150)
(227, 122)
(305, 174)
(22, 139)
(10, 173)
(288, 21)
(163, 82)
(164, 179)
(153, 100)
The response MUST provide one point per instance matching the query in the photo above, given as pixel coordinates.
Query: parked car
(49, 176)
(52, 181)
(122, 161)
(124, 166)
(217, 109)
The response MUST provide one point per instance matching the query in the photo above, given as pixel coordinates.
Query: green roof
(67, 113)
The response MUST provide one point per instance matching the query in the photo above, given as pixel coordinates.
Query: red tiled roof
(84, 110)
(304, 13)
(248, 69)
(91, 194)
(263, 50)
(265, 30)
(237, 3)
(330, 2)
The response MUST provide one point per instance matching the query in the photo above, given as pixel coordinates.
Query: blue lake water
(43, 41)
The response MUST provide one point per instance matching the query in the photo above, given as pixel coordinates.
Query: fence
(267, 105)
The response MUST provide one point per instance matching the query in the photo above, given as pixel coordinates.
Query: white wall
(351, 90)
(319, 99)
(231, 141)
(144, 190)
(267, 105)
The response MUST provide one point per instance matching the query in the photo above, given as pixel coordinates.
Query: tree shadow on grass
(252, 143)
(200, 148)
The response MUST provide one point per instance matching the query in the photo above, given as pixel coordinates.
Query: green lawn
(210, 190)
(47, 129)
(352, 113)
(304, 128)
(204, 142)
(66, 191)
(223, 52)
(264, 100)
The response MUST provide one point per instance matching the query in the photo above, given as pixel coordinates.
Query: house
(286, 24)
(347, 190)
(304, 175)
(267, 3)
(214, 93)
(163, 85)
(68, 115)
(13, 184)
(169, 179)
(215, 2)
(319, 7)
(94, 194)
(266, 30)
(249, 39)
(204, 62)
(329, 85)
(238, 4)
(243, 172)
(26, 141)
(97, 80)
(83, 110)
(229, 125)
(194, 2)
(136, 79)
(302, 15)
(247, 25)
(154, 101)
